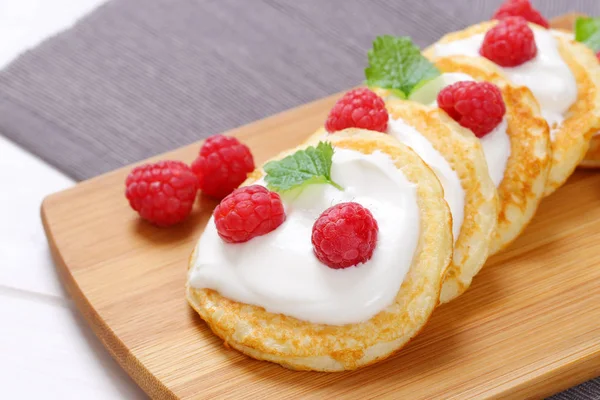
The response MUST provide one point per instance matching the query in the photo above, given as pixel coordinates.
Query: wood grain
(528, 327)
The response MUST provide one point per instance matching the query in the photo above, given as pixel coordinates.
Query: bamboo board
(528, 327)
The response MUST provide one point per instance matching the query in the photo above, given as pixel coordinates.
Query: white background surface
(46, 349)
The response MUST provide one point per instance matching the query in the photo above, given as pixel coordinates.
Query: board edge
(151, 385)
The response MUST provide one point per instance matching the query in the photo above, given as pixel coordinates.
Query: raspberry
(509, 43)
(358, 108)
(248, 212)
(162, 193)
(598, 56)
(521, 8)
(475, 105)
(344, 235)
(222, 165)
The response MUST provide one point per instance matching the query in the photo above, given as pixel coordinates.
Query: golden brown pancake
(525, 176)
(302, 345)
(462, 150)
(582, 120)
(592, 156)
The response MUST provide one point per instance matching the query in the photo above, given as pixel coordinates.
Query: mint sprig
(304, 167)
(587, 31)
(396, 63)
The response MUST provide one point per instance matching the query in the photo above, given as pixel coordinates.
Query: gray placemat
(136, 77)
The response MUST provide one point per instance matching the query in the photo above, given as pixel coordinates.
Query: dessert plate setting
(337, 293)
(333, 246)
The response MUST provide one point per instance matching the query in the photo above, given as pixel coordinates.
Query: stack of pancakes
(496, 210)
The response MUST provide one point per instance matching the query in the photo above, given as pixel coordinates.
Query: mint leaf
(304, 167)
(587, 31)
(397, 63)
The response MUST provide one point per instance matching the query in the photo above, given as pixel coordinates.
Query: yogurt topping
(496, 147)
(547, 75)
(279, 271)
(496, 144)
(454, 194)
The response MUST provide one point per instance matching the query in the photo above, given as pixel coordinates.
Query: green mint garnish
(396, 63)
(304, 167)
(587, 31)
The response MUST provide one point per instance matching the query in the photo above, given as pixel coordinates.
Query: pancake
(301, 345)
(463, 153)
(526, 173)
(592, 156)
(581, 120)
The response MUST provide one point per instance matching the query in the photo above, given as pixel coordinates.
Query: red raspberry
(222, 165)
(358, 108)
(162, 193)
(475, 105)
(598, 56)
(521, 8)
(344, 235)
(248, 212)
(509, 43)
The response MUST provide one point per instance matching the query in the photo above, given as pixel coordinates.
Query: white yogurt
(454, 194)
(279, 271)
(547, 75)
(496, 144)
(496, 147)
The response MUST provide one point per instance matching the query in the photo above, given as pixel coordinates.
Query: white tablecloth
(46, 349)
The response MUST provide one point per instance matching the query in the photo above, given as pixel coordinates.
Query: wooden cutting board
(528, 327)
